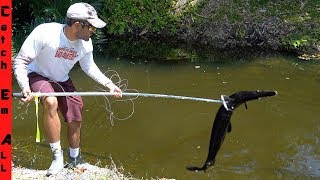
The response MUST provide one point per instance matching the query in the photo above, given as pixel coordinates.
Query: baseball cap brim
(96, 22)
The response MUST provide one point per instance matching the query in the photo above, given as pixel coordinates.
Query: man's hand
(27, 95)
(114, 89)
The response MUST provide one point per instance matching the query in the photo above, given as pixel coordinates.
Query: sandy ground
(84, 171)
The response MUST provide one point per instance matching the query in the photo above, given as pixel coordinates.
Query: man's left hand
(115, 90)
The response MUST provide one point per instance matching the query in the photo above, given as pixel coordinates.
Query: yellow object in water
(36, 100)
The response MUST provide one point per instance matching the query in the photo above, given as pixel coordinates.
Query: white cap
(84, 11)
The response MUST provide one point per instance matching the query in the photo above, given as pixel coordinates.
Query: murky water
(274, 138)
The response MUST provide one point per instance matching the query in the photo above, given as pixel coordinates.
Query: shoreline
(84, 171)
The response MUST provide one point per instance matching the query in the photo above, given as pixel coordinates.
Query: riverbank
(83, 172)
(196, 24)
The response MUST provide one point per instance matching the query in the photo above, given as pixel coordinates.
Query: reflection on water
(274, 138)
(302, 157)
(304, 163)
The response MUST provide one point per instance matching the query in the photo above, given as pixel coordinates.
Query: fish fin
(229, 128)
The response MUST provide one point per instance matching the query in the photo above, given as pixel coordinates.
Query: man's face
(85, 30)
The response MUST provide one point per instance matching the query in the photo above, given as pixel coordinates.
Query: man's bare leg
(52, 127)
(73, 132)
(51, 123)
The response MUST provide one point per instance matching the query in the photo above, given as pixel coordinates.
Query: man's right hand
(27, 95)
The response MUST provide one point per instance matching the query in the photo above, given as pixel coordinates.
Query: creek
(275, 138)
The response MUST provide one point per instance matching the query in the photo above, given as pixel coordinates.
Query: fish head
(238, 98)
(252, 95)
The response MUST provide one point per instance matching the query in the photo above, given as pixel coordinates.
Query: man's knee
(50, 103)
(74, 125)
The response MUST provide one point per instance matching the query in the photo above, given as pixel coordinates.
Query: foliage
(128, 16)
(30, 13)
(302, 14)
(304, 41)
(50, 10)
(147, 19)
(122, 17)
(292, 25)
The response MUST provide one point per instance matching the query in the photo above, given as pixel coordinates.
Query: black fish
(222, 123)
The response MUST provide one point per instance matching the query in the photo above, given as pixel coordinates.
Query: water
(275, 138)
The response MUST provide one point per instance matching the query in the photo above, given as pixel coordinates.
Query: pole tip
(225, 101)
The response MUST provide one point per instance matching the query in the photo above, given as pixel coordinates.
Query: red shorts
(69, 106)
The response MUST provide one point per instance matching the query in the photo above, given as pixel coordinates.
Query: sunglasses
(90, 27)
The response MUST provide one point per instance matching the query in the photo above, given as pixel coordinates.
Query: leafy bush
(123, 17)
(128, 16)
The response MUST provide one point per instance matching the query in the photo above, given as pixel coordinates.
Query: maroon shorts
(69, 106)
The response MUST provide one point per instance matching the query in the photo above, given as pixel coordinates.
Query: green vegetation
(128, 16)
(302, 16)
(140, 27)
(125, 19)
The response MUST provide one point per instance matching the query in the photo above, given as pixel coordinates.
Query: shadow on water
(275, 138)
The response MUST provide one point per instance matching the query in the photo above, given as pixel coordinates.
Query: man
(43, 64)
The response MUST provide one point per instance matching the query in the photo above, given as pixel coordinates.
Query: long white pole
(123, 94)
